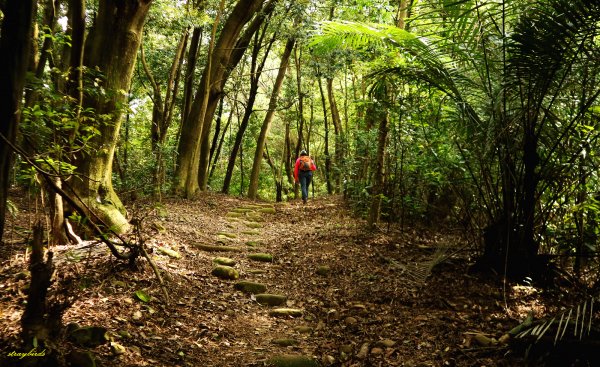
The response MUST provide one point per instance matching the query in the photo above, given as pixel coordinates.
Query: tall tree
(162, 111)
(14, 48)
(111, 47)
(194, 145)
(256, 69)
(262, 137)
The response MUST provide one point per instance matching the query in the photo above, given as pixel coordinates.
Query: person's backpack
(305, 163)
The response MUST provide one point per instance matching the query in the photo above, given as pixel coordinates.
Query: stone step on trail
(225, 272)
(252, 232)
(253, 224)
(284, 342)
(261, 256)
(250, 287)
(288, 360)
(226, 234)
(286, 312)
(224, 261)
(270, 299)
(218, 248)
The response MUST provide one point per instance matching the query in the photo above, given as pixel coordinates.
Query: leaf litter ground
(367, 298)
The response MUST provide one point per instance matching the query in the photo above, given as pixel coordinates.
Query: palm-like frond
(578, 318)
(416, 57)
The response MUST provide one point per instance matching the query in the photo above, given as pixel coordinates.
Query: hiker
(303, 173)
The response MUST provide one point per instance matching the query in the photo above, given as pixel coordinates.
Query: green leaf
(142, 296)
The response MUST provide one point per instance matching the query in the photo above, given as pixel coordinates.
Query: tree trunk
(162, 110)
(220, 145)
(194, 142)
(402, 13)
(240, 48)
(255, 73)
(337, 130)
(300, 101)
(379, 174)
(326, 152)
(14, 48)
(34, 321)
(49, 23)
(77, 31)
(260, 144)
(111, 47)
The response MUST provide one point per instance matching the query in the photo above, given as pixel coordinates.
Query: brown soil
(368, 298)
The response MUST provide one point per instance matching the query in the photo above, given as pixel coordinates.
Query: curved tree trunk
(14, 48)
(262, 138)
(111, 47)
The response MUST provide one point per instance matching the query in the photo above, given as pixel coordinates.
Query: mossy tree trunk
(111, 47)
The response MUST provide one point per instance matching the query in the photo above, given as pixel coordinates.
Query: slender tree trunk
(112, 48)
(326, 152)
(337, 130)
(379, 174)
(14, 48)
(77, 27)
(300, 100)
(402, 13)
(220, 145)
(256, 69)
(217, 132)
(262, 138)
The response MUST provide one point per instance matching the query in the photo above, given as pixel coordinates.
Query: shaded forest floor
(366, 298)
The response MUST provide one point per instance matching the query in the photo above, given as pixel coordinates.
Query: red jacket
(313, 167)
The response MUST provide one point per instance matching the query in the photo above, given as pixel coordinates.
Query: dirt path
(357, 294)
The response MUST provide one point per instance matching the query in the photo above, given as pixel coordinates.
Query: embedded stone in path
(253, 243)
(292, 361)
(227, 234)
(323, 270)
(250, 206)
(169, 252)
(304, 329)
(259, 256)
(269, 210)
(242, 210)
(270, 299)
(217, 248)
(253, 225)
(234, 214)
(254, 217)
(225, 272)
(284, 342)
(251, 232)
(89, 336)
(224, 261)
(293, 312)
(250, 287)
